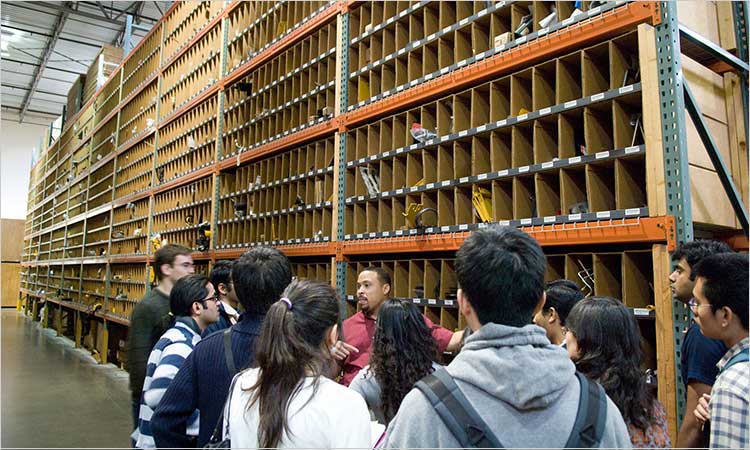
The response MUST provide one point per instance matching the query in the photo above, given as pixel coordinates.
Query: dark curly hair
(609, 343)
(402, 353)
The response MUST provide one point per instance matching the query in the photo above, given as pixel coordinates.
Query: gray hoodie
(524, 388)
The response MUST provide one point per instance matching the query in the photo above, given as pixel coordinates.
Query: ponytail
(291, 346)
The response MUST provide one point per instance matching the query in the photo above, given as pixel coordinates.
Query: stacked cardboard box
(106, 61)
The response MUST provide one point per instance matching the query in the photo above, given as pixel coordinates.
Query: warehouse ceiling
(46, 45)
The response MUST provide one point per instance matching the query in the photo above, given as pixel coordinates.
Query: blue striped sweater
(165, 360)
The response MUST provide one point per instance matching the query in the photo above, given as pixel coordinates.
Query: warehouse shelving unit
(288, 124)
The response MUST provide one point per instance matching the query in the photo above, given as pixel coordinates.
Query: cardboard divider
(608, 275)
(520, 92)
(600, 187)
(548, 194)
(500, 99)
(568, 80)
(595, 69)
(445, 165)
(462, 48)
(462, 158)
(502, 200)
(444, 117)
(446, 207)
(500, 149)
(522, 140)
(623, 57)
(463, 206)
(481, 39)
(637, 279)
(544, 84)
(545, 139)
(630, 183)
(571, 136)
(555, 268)
(480, 154)
(416, 278)
(573, 190)
(597, 128)
(524, 198)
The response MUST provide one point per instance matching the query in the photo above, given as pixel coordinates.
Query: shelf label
(641, 312)
(502, 173)
(547, 164)
(602, 215)
(597, 97)
(522, 117)
(445, 183)
(633, 149)
(464, 180)
(448, 302)
(482, 176)
(570, 104)
(549, 219)
(601, 155)
(463, 227)
(574, 160)
(416, 301)
(545, 111)
(632, 211)
(626, 89)
(574, 216)
(523, 169)
(431, 301)
(525, 221)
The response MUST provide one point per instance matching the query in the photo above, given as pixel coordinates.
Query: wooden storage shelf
(191, 73)
(134, 169)
(127, 287)
(93, 284)
(139, 114)
(254, 28)
(143, 63)
(186, 21)
(177, 213)
(189, 142)
(108, 97)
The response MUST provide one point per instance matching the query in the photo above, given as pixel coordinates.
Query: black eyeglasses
(214, 298)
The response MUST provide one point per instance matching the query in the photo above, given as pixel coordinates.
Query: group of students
(538, 365)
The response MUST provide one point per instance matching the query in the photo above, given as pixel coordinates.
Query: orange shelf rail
(607, 24)
(649, 229)
(309, 249)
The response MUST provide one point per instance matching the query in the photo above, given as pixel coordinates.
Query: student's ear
(223, 289)
(386, 289)
(196, 308)
(725, 315)
(552, 317)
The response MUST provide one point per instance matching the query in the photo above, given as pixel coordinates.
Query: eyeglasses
(694, 305)
(214, 298)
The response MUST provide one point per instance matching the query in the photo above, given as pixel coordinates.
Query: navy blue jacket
(203, 383)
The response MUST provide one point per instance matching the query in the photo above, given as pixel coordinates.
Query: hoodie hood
(516, 365)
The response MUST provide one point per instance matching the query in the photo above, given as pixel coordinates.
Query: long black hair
(609, 344)
(402, 352)
(291, 346)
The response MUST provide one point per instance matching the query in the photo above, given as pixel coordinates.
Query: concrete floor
(54, 395)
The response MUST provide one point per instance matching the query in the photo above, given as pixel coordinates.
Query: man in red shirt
(373, 289)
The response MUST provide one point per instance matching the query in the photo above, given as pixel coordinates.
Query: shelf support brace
(716, 159)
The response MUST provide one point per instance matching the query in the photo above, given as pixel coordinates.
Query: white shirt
(336, 417)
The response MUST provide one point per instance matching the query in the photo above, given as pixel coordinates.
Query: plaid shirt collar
(741, 346)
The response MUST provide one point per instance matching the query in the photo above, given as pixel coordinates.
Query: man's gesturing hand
(341, 350)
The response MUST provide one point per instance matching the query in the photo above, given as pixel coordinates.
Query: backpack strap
(228, 355)
(736, 359)
(588, 427)
(456, 412)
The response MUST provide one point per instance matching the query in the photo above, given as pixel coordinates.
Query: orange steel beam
(283, 44)
(638, 230)
(607, 24)
(297, 138)
(309, 249)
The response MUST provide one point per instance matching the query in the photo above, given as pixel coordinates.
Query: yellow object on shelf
(481, 198)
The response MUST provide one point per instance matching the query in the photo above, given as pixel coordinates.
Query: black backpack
(472, 432)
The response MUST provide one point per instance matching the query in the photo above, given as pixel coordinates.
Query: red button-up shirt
(359, 331)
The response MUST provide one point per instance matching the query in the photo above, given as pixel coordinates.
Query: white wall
(17, 142)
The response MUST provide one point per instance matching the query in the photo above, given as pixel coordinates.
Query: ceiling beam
(113, 10)
(25, 88)
(67, 9)
(33, 64)
(104, 11)
(61, 38)
(47, 53)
